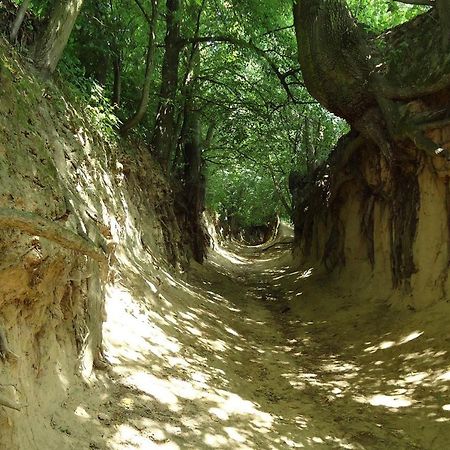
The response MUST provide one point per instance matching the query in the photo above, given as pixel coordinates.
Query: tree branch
(251, 46)
(277, 30)
(147, 18)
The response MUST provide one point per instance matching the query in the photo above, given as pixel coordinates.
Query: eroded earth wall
(380, 226)
(69, 198)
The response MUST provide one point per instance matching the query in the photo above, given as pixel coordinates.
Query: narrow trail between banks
(250, 352)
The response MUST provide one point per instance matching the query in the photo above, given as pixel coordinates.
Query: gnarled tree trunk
(378, 209)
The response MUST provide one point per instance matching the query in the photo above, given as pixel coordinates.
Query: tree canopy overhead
(214, 87)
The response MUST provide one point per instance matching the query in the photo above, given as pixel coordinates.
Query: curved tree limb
(143, 11)
(411, 92)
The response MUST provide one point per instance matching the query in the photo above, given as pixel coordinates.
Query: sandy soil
(250, 352)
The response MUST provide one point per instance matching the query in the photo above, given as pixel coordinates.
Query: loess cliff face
(381, 228)
(70, 201)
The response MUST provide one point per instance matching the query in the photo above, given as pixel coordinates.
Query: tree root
(344, 151)
(402, 124)
(9, 404)
(277, 243)
(428, 146)
(432, 125)
(36, 225)
(5, 351)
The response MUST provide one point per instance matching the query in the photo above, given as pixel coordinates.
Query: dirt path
(248, 352)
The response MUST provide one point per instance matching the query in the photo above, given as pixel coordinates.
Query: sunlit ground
(250, 352)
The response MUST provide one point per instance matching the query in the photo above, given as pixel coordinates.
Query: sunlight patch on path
(204, 361)
(388, 401)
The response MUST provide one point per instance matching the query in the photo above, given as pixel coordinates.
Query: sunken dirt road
(251, 352)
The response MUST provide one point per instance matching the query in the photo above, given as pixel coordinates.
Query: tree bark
(52, 42)
(334, 57)
(163, 140)
(134, 120)
(443, 7)
(117, 85)
(18, 21)
(194, 181)
(190, 76)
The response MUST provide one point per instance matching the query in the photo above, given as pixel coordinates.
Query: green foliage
(259, 128)
(248, 88)
(262, 134)
(100, 112)
(242, 193)
(379, 15)
(91, 97)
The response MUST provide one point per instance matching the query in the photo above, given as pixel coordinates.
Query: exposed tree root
(394, 92)
(5, 351)
(36, 225)
(277, 243)
(9, 404)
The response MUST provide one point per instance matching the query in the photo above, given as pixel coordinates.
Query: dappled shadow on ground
(249, 352)
(383, 375)
(207, 366)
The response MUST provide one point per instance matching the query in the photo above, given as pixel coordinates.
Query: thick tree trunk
(194, 189)
(117, 84)
(183, 122)
(18, 21)
(52, 42)
(337, 65)
(164, 139)
(193, 195)
(443, 7)
(149, 65)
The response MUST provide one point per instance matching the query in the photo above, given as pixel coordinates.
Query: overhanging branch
(251, 46)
